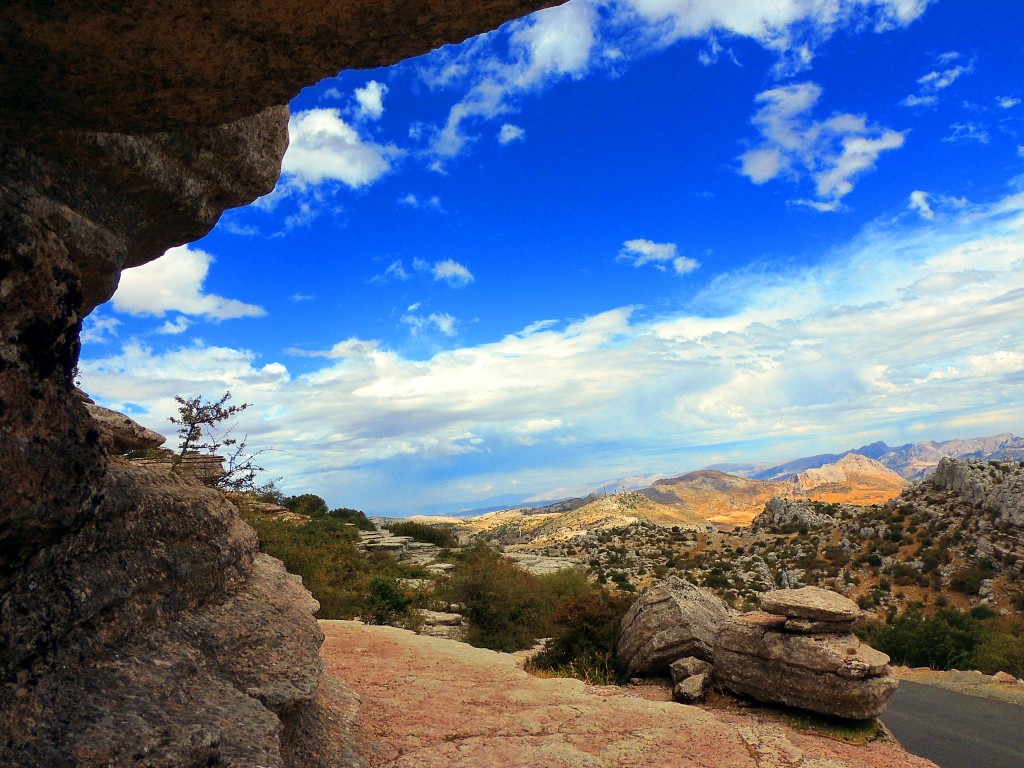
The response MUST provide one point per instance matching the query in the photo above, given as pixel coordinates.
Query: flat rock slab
(430, 703)
(811, 603)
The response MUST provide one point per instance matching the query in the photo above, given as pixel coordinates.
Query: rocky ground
(428, 702)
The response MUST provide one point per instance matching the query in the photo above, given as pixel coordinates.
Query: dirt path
(430, 703)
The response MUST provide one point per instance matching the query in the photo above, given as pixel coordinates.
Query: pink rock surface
(430, 702)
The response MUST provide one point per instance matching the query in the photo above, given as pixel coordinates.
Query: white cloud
(98, 329)
(573, 39)
(1007, 102)
(180, 324)
(968, 131)
(323, 147)
(510, 133)
(919, 203)
(299, 297)
(432, 203)
(174, 283)
(661, 255)
(371, 100)
(937, 80)
(453, 273)
(905, 331)
(832, 152)
(442, 322)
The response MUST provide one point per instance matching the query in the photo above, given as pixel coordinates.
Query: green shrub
(943, 641)
(504, 607)
(429, 534)
(354, 516)
(306, 504)
(586, 629)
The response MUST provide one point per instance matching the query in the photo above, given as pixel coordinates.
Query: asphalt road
(956, 731)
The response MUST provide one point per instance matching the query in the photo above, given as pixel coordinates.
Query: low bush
(429, 534)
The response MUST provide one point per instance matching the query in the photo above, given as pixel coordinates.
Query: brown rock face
(137, 625)
(834, 674)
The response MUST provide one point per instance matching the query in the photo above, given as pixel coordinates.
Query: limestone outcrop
(993, 485)
(804, 654)
(670, 620)
(137, 624)
(783, 513)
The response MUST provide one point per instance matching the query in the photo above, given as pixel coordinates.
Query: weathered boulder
(670, 620)
(120, 434)
(834, 674)
(688, 666)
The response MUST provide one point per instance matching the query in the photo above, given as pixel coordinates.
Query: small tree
(202, 430)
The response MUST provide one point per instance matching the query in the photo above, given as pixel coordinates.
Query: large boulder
(670, 620)
(833, 674)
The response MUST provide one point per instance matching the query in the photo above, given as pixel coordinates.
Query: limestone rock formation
(759, 655)
(780, 513)
(126, 632)
(670, 620)
(120, 434)
(996, 485)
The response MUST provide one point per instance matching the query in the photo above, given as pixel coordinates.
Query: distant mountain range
(912, 461)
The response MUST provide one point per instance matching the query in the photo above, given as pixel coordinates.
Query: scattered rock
(688, 667)
(1004, 677)
(670, 620)
(692, 689)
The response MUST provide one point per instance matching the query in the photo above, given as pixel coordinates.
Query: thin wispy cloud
(451, 272)
(938, 80)
(793, 145)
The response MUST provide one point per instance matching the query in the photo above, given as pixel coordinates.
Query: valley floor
(429, 702)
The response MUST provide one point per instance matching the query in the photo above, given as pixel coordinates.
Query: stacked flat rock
(801, 651)
(811, 610)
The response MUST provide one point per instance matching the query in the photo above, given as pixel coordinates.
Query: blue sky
(615, 238)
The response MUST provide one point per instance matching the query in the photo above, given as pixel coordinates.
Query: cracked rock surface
(429, 702)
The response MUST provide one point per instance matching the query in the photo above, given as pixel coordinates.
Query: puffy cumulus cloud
(370, 99)
(451, 272)
(904, 332)
(510, 133)
(832, 151)
(660, 255)
(1007, 102)
(323, 147)
(180, 324)
(575, 38)
(174, 283)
